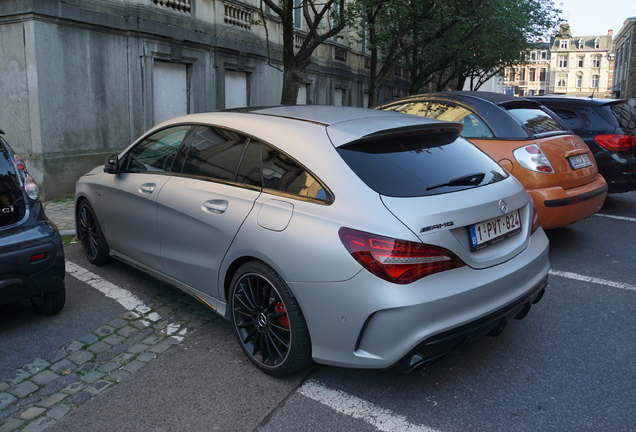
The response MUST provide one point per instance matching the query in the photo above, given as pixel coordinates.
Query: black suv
(31, 254)
(608, 127)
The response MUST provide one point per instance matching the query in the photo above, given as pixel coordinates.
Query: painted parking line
(381, 418)
(624, 218)
(125, 298)
(591, 279)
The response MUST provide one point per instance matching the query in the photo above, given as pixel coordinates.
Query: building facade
(532, 78)
(581, 65)
(625, 61)
(81, 79)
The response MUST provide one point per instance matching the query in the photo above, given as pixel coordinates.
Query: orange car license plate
(580, 161)
(494, 230)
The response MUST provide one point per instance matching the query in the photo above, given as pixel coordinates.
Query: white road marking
(381, 418)
(598, 281)
(125, 298)
(625, 218)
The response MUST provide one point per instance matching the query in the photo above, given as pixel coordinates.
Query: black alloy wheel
(268, 322)
(90, 234)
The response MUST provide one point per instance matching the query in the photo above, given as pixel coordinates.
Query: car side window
(282, 173)
(474, 126)
(214, 153)
(156, 153)
(569, 117)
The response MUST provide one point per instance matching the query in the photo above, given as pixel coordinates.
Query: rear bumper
(457, 339)
(560, 207)
(31, 262)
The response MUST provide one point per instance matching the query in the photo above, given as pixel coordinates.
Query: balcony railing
(178, 5)
(238, 16)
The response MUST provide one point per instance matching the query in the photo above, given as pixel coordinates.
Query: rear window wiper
(467, 180)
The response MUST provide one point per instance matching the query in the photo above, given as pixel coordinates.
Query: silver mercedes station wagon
(345, 236)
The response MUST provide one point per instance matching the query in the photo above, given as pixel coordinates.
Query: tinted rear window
(538, 122)
(12, 206)
(420, 165)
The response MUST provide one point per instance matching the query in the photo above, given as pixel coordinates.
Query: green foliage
(445, 41)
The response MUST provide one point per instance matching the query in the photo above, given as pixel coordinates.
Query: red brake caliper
(284, 320)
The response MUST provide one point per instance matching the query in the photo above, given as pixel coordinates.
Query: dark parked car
(608, 127)
(31, 254)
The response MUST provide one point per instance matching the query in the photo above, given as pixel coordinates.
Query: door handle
(215, 206)
(147, 188)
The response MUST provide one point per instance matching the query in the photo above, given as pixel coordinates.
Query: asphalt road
(568, 366)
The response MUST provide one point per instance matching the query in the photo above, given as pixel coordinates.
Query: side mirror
(111, 165)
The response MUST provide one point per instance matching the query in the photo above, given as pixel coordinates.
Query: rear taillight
(531, 157)
(19, 163)
(535, 220)
(397, 261)
(616, 142)
(31, 187)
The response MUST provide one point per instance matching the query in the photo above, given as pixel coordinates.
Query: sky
(594, 17)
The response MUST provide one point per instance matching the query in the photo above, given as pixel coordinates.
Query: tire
(49, 303)
(89, 233)
(268, 322)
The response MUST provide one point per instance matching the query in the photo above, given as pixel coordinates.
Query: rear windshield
(625, 114)
(538, 122)
(12, 206)
(421, 165)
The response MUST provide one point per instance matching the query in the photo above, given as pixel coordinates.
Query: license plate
(494, 230)
(580, 161)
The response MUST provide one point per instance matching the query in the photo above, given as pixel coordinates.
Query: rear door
(201, 209)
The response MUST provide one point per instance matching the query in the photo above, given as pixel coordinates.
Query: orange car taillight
(531, 157)
(616, 142)
(397, 261)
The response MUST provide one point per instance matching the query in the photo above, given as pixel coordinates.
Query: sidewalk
(61, 213)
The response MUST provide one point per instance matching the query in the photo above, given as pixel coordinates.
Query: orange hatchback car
(555, 166)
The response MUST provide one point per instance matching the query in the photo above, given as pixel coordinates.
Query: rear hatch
(447, 191)
(570, 157)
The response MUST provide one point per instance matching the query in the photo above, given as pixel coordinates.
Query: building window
(542, 74)
(298, 14)
(595, 81)
(562, 81)
(563, 61)
(597, 43)
(581, 61)
(581, 44)
(544, 55)
(579, 80)
(532, 75)
(563, 44)
(596, 61)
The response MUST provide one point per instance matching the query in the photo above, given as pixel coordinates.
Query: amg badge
(437, 226)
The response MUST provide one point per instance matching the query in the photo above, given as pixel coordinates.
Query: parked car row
(338, 235)
(540, 149)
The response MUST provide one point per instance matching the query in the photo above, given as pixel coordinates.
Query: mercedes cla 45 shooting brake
(346, 236)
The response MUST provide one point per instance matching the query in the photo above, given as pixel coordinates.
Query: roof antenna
(592, 95)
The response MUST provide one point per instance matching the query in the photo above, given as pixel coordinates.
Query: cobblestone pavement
(36, 395)
(61, 213)
(41, 392)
